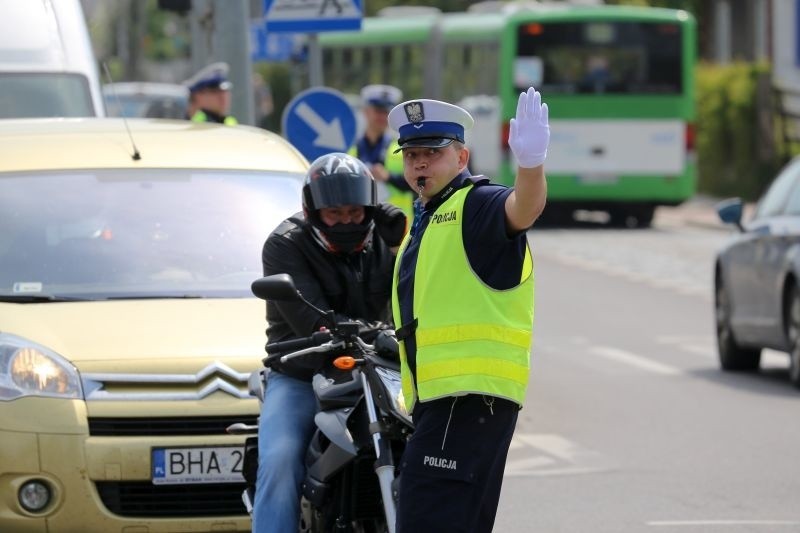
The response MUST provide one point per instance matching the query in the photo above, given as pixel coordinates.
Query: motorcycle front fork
(384, 464)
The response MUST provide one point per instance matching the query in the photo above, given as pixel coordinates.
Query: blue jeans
(284, 431)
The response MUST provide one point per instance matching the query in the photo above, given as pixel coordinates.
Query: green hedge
(732, 159)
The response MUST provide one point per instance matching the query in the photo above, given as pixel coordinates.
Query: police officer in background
(463, 294)
(210, 95)
(377, 148)
(340, 253)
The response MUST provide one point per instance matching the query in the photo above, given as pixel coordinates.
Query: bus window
(469, 70)
(607, 57)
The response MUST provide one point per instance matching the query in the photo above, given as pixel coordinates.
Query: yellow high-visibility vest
(470, 337)
(200, 116)
(394, 165)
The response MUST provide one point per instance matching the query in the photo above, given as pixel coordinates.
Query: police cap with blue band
(429, 123)
(382, 96)
(213, 76)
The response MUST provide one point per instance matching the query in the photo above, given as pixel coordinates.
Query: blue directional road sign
(270, 46)
(312, 16)
(319, 121)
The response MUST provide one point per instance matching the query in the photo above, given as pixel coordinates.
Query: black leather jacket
(356, 286)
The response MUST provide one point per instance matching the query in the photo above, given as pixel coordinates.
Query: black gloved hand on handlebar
(386, 345)
(368, 330)
(390, 223)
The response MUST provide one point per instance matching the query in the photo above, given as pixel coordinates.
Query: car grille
(215, 377)
(167, 426)
(143, 499)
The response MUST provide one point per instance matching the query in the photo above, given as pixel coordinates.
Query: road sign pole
(315, 76)
(231, 29)
(201, 34)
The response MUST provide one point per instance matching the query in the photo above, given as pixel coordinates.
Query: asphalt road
(629, 425)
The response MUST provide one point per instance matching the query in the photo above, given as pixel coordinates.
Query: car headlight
(29, 369)
(394, 390)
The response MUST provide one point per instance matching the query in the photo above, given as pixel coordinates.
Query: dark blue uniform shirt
(495, 256)
(371, 154)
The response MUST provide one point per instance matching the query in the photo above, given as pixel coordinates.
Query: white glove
(530, 130)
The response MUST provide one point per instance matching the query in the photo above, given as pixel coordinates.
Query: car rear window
(36, 95)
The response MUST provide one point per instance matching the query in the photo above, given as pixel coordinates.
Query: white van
(47, 66)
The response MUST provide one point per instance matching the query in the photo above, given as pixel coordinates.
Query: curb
(701, 212)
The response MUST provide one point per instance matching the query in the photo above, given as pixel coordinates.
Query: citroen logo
(226, 380)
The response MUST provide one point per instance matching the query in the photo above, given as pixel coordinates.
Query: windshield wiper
(39, 298)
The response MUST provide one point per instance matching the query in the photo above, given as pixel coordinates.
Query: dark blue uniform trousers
(452, 469)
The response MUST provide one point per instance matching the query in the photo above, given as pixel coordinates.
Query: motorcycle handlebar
(316, 338)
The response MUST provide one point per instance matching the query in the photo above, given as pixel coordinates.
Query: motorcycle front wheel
(313, 520)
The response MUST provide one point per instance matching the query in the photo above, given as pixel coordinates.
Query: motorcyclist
(340, 253)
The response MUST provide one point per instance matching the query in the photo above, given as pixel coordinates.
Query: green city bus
(619, 82)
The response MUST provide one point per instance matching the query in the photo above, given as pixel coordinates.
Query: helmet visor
(337, 190)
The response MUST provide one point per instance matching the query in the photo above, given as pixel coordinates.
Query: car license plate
(221, 464)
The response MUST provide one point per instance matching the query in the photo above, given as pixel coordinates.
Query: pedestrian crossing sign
(311, 16)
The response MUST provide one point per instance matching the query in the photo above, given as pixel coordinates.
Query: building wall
(738, 30)
(785, 45)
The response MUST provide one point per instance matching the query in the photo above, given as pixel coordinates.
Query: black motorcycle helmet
(334, 180)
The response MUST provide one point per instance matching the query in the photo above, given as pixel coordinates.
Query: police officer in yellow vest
(463, 293)
(210, 95)
(377, 148)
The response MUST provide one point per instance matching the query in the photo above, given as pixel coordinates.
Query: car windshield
(138, 234)
(38, 95)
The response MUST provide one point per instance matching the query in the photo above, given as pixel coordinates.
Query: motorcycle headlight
(29, 369)
(394, 390)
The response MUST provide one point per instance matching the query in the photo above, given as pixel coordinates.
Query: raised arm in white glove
(530, 130)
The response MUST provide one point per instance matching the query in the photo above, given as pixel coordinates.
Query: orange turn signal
(344, 362)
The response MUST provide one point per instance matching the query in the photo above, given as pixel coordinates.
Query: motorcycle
(362, 425)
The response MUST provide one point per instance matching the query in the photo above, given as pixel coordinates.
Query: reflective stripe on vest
(200, 116)
(470, 338)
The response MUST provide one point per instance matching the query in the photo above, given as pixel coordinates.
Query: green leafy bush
(731, 110)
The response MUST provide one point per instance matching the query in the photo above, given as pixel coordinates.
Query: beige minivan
(128, 329)
(47, 66)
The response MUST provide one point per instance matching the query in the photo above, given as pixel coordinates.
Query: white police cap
(386, 96)
(213, 76)
(429, 123)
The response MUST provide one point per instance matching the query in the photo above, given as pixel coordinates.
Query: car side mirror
(730, 211)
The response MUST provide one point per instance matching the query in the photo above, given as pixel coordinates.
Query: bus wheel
(621, 217)
(554, 215)
(644, 216)
(631, 217)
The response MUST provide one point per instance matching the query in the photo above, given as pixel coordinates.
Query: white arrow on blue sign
(319, 121)
(311, 16)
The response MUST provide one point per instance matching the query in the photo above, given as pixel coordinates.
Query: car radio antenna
(136, 156)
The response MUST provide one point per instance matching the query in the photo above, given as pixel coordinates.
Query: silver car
(756, 278)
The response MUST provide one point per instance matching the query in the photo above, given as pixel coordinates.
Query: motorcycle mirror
(276, 287)
(280, 287)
